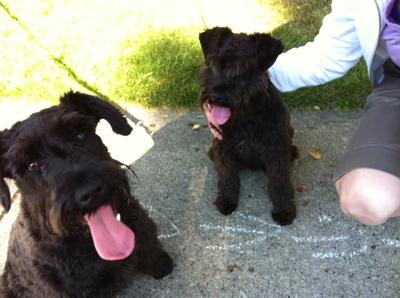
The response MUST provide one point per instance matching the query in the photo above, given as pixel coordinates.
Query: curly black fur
(64, 171)
(258, 134)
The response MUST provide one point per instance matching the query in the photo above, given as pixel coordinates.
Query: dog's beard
(62, 223)
(112, 239)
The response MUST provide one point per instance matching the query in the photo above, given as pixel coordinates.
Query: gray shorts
(375, 142)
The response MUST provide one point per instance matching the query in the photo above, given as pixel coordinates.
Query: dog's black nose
(86, 193)
(219, 99)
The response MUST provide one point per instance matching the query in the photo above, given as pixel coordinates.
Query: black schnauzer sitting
(67, 240)
(249, 122)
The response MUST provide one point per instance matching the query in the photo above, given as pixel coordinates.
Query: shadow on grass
(160, 68)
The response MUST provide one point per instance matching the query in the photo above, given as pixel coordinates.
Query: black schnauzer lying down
(249, 122)
(67, 240)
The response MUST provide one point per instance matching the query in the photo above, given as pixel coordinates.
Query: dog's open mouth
(216, 116)
(112, 239)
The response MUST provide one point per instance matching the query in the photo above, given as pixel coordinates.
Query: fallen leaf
(196, 126)
(300, 188)
(314, 154)
(304, 204)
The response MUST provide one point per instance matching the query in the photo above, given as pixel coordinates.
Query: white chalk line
(231, 230)
(324, 218)
(260, 220)
(171, 223)
(237, 246)
(340, 255)
(391, 242)
(262, 235)
(313, 239)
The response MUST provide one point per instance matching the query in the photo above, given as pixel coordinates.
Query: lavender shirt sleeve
(391, 32)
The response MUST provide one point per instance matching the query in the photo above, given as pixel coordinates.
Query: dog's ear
(98, 108)
(268, 49)
(212, 39)
(5, 198)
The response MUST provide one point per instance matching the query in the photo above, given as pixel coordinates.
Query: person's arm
(334, 51)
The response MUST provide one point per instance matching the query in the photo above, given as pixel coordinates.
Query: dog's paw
(224, 206)
(284, 217)
(163, 267)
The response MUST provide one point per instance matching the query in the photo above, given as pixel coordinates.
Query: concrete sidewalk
(322, 254)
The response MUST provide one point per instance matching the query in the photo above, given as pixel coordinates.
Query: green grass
(147, 53)
(160, 68)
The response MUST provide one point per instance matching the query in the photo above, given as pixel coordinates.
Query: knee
(367, 203)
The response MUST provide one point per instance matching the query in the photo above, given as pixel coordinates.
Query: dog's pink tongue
(113, 240)
(219, 115)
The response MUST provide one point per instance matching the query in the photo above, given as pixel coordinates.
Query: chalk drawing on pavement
(242, 237)
(167, 227)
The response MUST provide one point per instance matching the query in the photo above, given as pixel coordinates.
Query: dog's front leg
(228, 182)
(281, 192)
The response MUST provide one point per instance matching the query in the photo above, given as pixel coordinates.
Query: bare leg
(369, 196)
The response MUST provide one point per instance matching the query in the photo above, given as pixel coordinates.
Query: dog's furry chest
(21, 266)
(250, 155)
(251, 143)
(61, 274)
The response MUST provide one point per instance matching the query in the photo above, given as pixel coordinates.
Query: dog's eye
(34, 166)
(81, 136)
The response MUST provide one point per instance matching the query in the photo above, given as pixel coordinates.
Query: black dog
(67, 240)
(250, 123)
